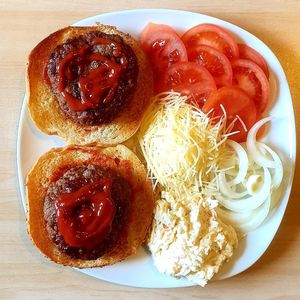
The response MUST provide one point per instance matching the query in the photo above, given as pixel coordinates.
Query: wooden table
(24, 273)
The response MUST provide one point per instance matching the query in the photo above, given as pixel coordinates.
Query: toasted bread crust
(140, 215)
(44, 108)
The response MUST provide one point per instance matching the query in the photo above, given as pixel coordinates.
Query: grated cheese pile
(184, 149)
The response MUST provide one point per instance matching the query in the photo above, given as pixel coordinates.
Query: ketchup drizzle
(97, 76)
(85, 217)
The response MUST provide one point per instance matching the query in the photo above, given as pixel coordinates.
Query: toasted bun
(44, 108)
(140, 215)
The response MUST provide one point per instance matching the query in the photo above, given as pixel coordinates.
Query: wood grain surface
(24, 272)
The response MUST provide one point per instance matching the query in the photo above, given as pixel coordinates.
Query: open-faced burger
(88, 206)
(88, 85)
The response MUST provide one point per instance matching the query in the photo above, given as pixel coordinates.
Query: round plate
(139, 270)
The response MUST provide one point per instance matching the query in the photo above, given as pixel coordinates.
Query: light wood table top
(24, 272)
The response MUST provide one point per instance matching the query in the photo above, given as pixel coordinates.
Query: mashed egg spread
(189, 239)
(182, 148)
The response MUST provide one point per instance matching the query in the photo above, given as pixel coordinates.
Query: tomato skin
(249, 53)
(190, 79)
(213, 36)
(235, 103)
(251, 78)
(214, 61)
(163, 46)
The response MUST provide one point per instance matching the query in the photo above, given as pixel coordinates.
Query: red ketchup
(97, 75)
(85, 217)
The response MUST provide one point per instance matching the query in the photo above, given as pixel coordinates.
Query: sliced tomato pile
(213, 36)
(251, 78)
(190, 79)
(247, 52)
(239, 107)
(164, 48)
(208, 66)
(214, 61)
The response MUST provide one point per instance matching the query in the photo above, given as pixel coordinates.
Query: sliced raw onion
(252, 183)
(246, 221)
(259, 216)
(234, 218)
(250, 203)
(245, 202)
(278, 170)
(253, 150)
(243, 162)
(275, 197)
(226, 189)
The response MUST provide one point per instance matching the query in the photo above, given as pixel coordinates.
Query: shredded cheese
(181, 145)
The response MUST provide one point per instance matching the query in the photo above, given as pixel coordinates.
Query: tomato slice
(213, 36)
(251, 78)
(235, 103)
(163, 46)
(247, 52)
(190, 79)
(214, 61)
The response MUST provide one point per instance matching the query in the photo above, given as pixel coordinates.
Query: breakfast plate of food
(156, 148)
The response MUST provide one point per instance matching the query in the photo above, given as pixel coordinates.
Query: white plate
(139, 270)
